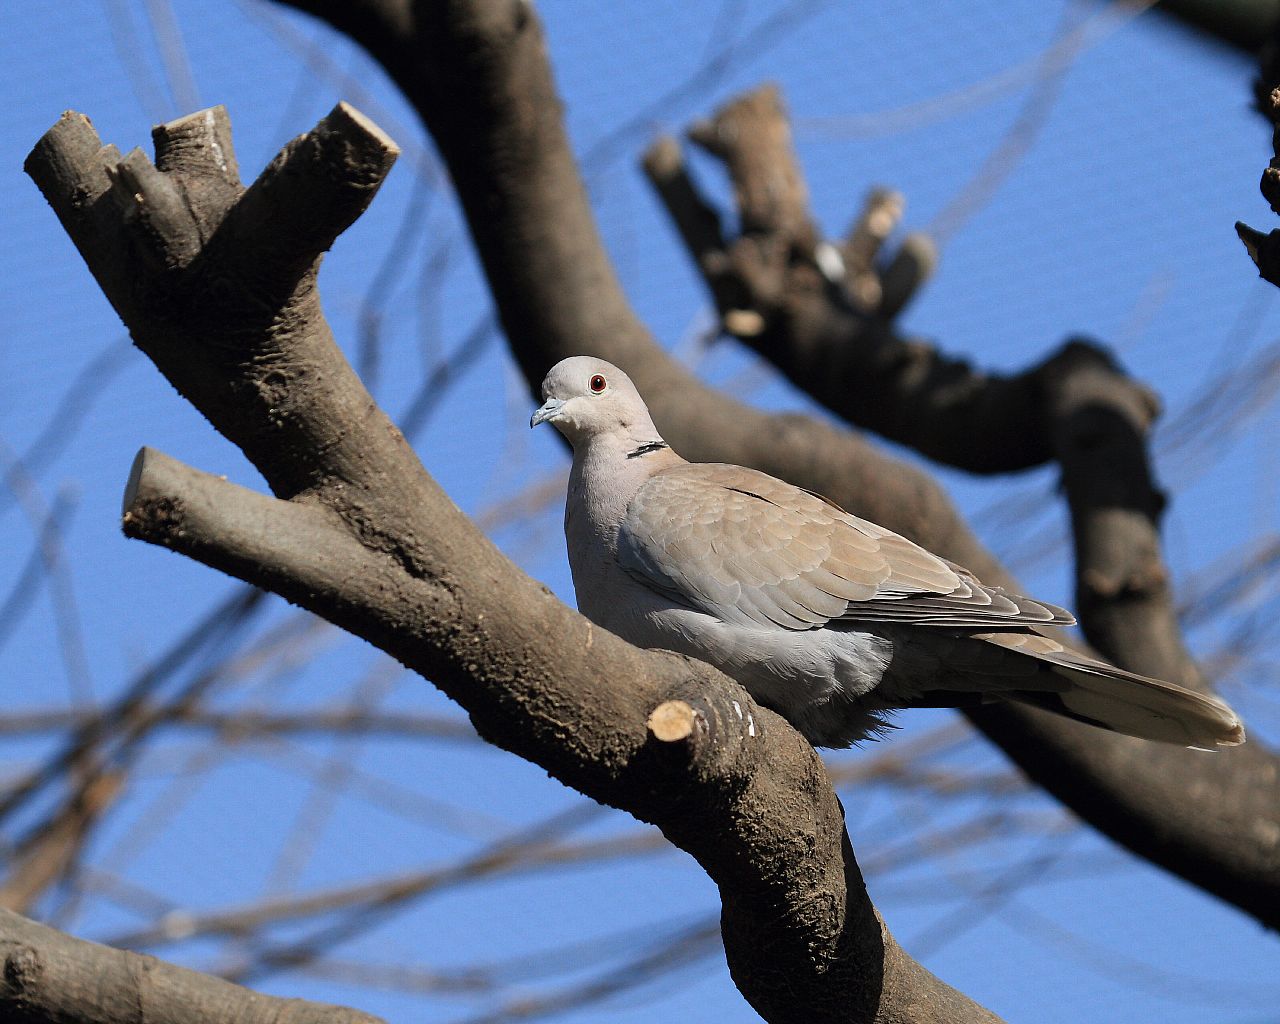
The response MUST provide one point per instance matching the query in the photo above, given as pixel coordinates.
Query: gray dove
(826, 618)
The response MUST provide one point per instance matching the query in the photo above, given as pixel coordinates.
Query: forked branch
(477, 72)
(217, 285)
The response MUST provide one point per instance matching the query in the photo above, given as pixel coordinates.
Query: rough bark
(217, 285)
(46, 976)
(824, 313)
(477, 72)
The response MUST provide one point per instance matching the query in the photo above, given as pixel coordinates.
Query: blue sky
(1115, 222)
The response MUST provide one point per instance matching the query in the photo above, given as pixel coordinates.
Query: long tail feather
(1135, 705)
(1121, 701)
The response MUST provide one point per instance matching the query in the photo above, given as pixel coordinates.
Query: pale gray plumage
(826, 618)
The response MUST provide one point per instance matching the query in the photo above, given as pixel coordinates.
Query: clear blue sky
(1116, 222)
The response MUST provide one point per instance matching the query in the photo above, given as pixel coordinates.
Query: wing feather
(749, 548)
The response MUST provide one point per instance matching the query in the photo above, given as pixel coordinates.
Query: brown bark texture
(46, 976)
(217, 284)
(478, 74)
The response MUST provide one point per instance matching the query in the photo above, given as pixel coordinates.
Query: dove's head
(586, 397)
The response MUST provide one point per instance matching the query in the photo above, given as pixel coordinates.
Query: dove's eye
(597, 384)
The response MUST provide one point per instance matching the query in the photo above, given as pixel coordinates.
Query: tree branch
(476, 71)
(226, 306)
(48, 976)
(834, 337)
(824, 314)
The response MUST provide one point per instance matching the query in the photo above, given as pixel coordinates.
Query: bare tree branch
(48, 854)
(243, 725)
(217, 286)
(1264, 249)
(476, 71)
(824, 314)
(48, 976)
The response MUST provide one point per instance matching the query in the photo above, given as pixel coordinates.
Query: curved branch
(360, 534)
(476, 70)
(1078, 408)
(48, 976)
(824, 314)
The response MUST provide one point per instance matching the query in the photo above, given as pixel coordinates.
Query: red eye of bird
(596, 384)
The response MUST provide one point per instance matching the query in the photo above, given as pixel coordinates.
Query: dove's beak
(547, 411)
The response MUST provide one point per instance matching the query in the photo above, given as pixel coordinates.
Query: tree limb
(48, 976)
(476, 70)
(217, 286)
(825, 314)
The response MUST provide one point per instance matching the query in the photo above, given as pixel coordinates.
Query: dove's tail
(1135, 705)
(1034, 669)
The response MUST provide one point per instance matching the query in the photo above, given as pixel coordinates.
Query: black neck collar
(646, 448)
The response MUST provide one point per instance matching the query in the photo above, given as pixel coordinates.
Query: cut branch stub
(779, 267)
(198, 148)
(752, 136)
(776, 251)
(306, 197)
(1263, 249)
(187, 214)
(707, 733)
(676, 721)
(203, 271)
(881, 213)
(911, 266)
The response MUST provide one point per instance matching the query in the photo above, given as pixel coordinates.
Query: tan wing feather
(750, 548)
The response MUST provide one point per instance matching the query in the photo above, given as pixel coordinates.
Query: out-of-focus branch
(824, 313)
(1246, 24)
(49, 853)
(1077, 408)
(96, 760)
(476, 70)
(245, 725)
(217, 286)
(48, 976)
(541, 851)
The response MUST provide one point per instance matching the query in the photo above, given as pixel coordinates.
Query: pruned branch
(824, 312)
(217, 286)
(48, 976)
(476, 71)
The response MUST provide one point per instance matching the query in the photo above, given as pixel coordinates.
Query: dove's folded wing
(748, 548)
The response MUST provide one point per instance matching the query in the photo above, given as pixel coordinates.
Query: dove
(829, 620)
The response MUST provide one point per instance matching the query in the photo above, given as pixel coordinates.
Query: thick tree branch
(477, 72)
(360, 534)
(1078, 408)
(824, 313)
(48, 976)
